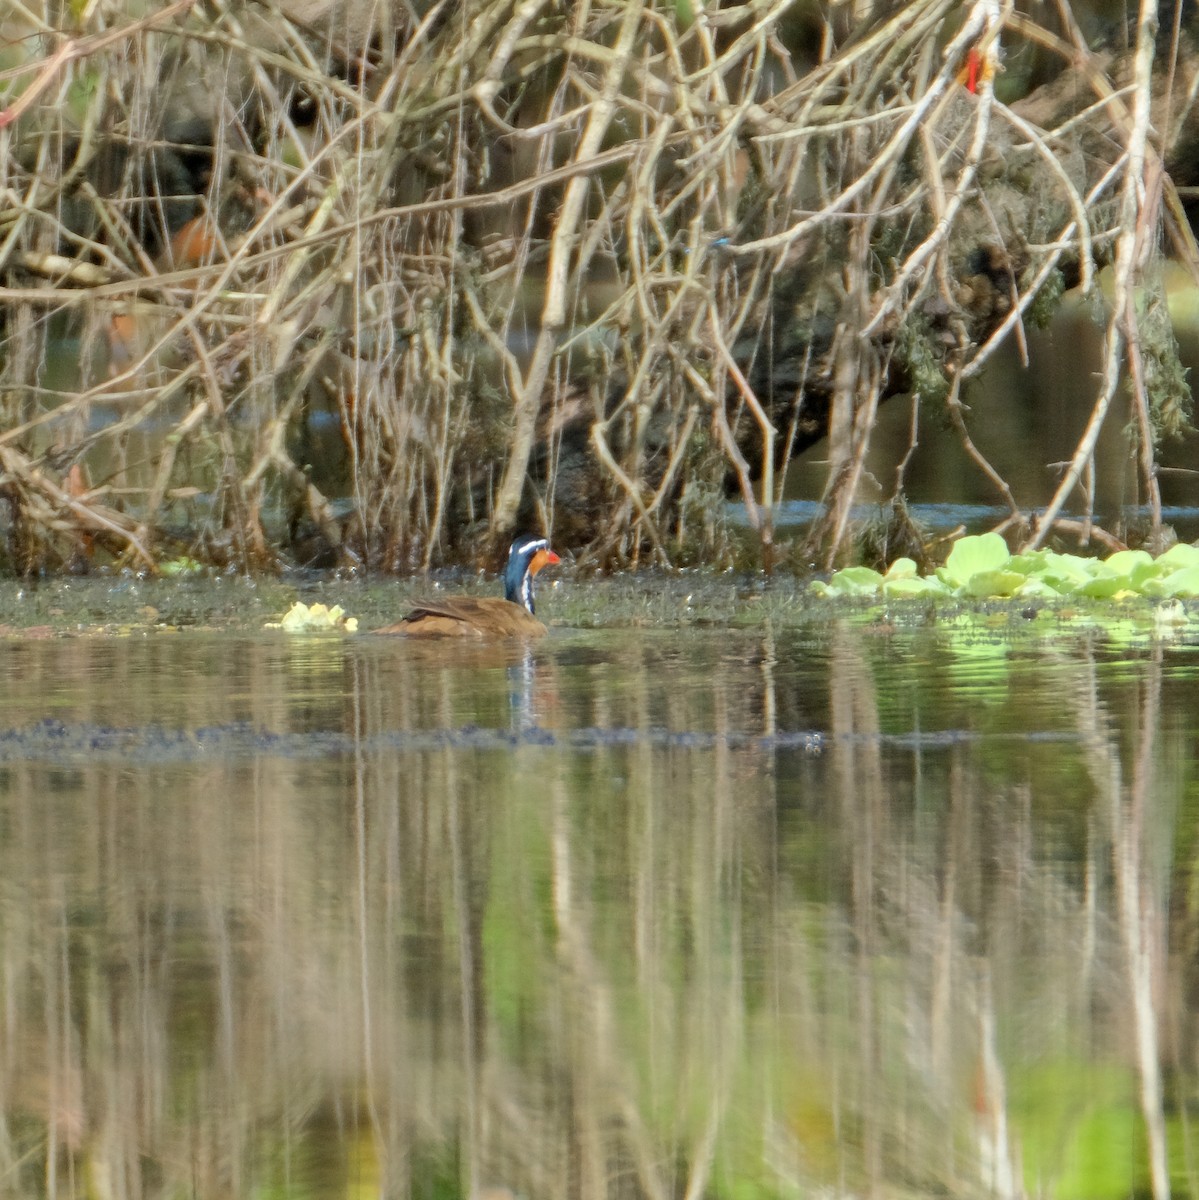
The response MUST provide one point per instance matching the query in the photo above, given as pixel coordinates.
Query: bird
(487, 616)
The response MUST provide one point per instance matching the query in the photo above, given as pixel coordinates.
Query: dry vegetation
(285, 286)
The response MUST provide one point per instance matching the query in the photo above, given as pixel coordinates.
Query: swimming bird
(487, 616)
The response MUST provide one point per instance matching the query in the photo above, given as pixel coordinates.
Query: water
(798, 515)
(641, 913)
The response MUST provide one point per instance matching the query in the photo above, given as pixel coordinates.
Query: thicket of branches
(380, 292)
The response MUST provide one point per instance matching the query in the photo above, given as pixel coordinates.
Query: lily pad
(853, 581)
(318, 618)
(906, 586)
(1037, 589)
(1179, 556)
(1182, 584)
(980, 568)
(974, 555)
(902, 568)
(1138, 565)
(1065, 572)
(1105, 587)
(993, 583)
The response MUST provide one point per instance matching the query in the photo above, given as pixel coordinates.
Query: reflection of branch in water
(632, 957)
(362, 908)
(597, 1064)
(996, 1153)
(1139, 895)
(690, 1043)
(470, 967)
(853, 706)
(1141, 911)
(769, 692)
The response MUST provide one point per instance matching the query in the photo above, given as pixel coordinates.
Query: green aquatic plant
(317, 618)
(981, 567)
(183, 565)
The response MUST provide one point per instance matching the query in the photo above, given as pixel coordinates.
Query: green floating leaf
(1183, 584)
(913, 586)
(854, 581)
(1104, 587)
(1179, 556)
(1137, 564)
(1065, 572)
(301, 618)
(980, 567)
(1037, 589)
(1031, 563)
(986, 584)
(902, 568)
(973, 555)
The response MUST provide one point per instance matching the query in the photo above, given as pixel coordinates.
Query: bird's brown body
(486, 616)
(468, 616)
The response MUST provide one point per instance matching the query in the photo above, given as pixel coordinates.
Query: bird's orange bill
(543, 558)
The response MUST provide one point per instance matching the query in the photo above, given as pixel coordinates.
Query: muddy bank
(129, 604)
(116, 606)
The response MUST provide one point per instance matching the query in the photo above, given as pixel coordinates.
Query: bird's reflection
(522, 691)
(507, 684)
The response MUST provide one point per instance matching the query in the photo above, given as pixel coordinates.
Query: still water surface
(641, 913)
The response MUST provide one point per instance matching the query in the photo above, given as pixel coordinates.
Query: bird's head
(528, 555)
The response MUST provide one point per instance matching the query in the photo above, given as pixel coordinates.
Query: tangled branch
(280, 292)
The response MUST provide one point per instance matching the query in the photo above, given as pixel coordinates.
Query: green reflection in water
(617, 936)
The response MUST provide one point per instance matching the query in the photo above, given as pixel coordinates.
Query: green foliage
(914, 348)
(1045, 305)
(973, 556)
(1165, 376)
(81, 94)
(319, 618)
(684, 14)
(183, 565)
(981, 567)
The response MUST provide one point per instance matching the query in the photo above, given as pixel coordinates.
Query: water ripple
(60, 742)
